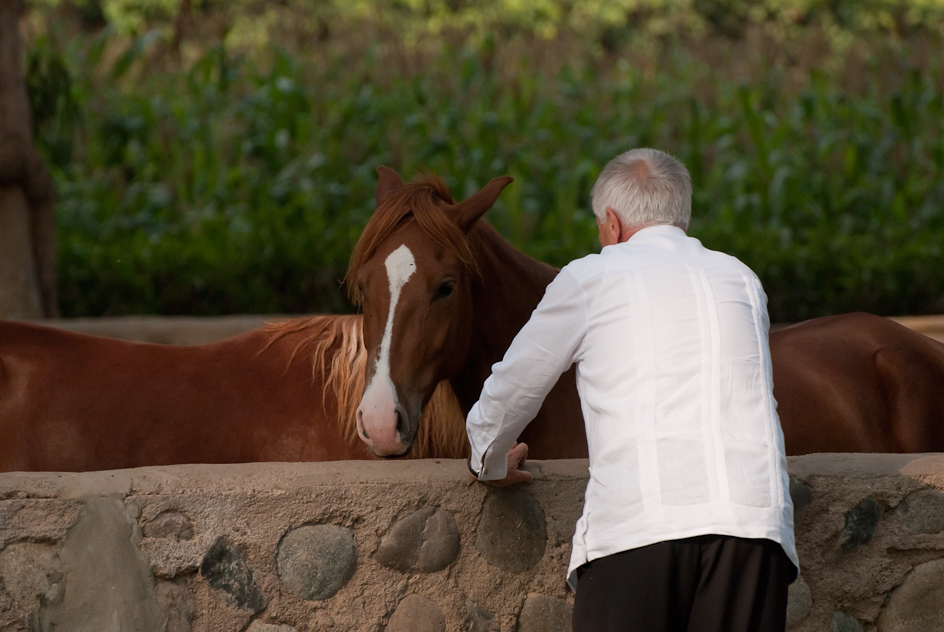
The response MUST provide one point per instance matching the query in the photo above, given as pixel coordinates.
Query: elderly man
(688, 522)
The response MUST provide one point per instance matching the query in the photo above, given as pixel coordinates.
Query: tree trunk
(27, 221)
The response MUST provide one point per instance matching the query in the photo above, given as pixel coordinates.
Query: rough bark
(27, 220)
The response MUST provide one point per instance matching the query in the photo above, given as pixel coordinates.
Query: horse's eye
(445, 290)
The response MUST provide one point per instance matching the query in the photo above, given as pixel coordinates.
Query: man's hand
(516, 458)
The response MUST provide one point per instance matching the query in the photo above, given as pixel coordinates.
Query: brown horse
(443, 295)
(858, 383)
(286, 392)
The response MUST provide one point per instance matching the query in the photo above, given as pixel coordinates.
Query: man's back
(675, 381)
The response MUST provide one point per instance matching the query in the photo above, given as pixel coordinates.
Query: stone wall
(415, 546)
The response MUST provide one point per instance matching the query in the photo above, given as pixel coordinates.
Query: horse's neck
(510, 285)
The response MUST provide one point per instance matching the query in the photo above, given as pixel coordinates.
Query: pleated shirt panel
(674, 376)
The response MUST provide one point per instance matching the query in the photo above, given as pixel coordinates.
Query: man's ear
(613, 226)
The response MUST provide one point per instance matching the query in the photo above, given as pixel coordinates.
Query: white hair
(644, 187)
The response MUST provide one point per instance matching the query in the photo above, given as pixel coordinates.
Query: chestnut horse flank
(443, 296)
(285, 392)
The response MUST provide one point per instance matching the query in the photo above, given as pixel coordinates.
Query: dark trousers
(707, 583)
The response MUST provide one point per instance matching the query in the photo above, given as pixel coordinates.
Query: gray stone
(315, 562)
(227, 569)
(512, 533)
(860, 524)
(844, 622)
(178, 603)
(915, 606)
(802, 495)
(417, 614)
(101, 566)
(921, 512)
(169, 524)
(541, 613)
(799, 602)
(425, 541)
(478, 619)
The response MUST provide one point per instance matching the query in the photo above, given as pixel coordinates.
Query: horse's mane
(420, 199)
(336, 344)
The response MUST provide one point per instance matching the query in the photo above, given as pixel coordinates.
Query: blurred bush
(219, 157)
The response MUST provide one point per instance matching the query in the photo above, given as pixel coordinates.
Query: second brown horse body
(858, 383)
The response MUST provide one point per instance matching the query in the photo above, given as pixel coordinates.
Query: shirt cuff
(491, 466)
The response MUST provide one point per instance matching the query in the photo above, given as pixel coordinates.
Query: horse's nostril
(399, 422)
(360, 425)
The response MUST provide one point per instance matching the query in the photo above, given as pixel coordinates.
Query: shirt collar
(669, 230)
(659, 230)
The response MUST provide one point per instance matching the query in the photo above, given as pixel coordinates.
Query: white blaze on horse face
(377, 414)
(400, 266)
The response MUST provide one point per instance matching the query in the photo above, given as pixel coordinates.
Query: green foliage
(52, 103)
(227, 176)
(415, 19)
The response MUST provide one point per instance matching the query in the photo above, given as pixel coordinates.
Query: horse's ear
(466, 213)
(388, 181)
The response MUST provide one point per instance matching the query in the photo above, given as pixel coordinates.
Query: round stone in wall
(512, 532)
(921, 512)
(802, 496)
(416, 613)
(425, 541)
(844, 622)
(315, 561)
(861, 521)
(915, 606)
(178, 604)
(541, 613)
(172, 525)
(478, 619)
(799, 602)
(227, 569)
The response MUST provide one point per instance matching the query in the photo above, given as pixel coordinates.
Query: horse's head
(411, 273)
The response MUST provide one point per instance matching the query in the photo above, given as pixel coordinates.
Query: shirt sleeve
(511, 397)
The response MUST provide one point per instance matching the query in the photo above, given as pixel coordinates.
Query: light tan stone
(918, 604)
(417, 614)
(799, 602)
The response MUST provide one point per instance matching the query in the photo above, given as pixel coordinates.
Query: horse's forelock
(419, 199)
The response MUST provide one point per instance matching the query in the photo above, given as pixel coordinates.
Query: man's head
(639, 188)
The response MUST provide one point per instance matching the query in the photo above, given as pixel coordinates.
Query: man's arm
(544, 348)
(516, 458)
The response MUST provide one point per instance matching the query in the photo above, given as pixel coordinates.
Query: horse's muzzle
(384, 430)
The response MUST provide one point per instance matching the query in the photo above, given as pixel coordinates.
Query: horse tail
(339, 359)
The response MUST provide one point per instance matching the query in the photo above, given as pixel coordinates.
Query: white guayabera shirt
(674, 376)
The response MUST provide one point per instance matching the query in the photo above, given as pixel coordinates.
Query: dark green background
(221, 159)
